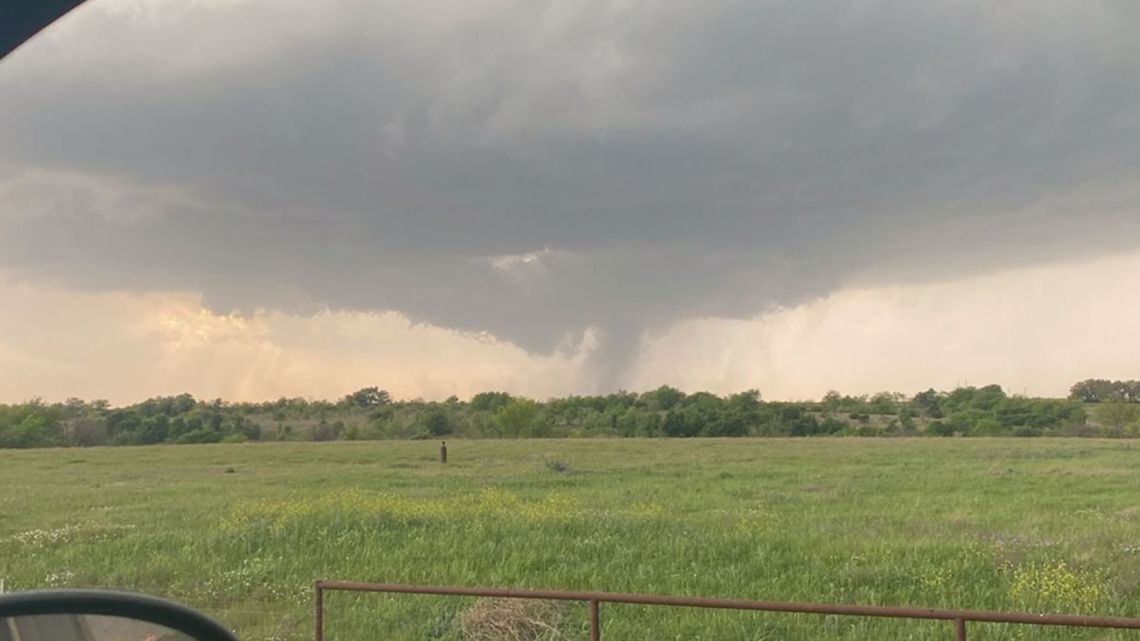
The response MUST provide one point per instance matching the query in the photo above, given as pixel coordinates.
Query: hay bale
(500, 619)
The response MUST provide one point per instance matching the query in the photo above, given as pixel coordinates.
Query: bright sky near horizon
(251, 198)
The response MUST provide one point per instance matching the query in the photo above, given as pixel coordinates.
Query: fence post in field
(318, 612)
(595, 621)
(443, 451)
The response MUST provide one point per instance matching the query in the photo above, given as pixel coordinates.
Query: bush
(201, 435)
(726, 426)
(988, 427)
(323, 432)
(86, 431)
(250, 431)
(436, 421)
(832, 425)
(939, 428)
(556, 465)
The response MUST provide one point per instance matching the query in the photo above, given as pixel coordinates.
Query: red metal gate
(594, 599)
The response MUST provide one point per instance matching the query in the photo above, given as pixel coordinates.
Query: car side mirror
(97, 615)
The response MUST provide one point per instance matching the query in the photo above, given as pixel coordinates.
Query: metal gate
(595, 599)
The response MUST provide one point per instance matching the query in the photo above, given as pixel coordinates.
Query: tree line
(1094, 407)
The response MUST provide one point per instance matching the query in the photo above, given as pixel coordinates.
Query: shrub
(86, 431)
(556, 465)
(988, 427)
(323, 432)
(201, 435)
(436, 421)
(832, 425)
(939, 428)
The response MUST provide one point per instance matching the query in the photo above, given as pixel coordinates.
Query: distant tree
(123, 426)
(85, 431)
(746, 403)
(74, 407)
(153, 430)
(33, 424)
(1117, 415)
(831, 401)
(249, 430)
(728, 424)
(183, 403)
(988, 397)
(833, 425)
(619, 400)
(906, 419)
(662, 399)
(518, 417)
(929, 403)
(989, 427)
(1099, 390)
(201, 436)
(680, 423)
(489, 401)
(939, 428)
(636, 421)
(177, 428)
(884, 403)
(436, 421)
(368, 397)
(1130, 390)
(798, 422)
(1091, 390)
(323, 431)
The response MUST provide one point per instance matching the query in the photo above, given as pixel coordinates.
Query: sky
(250, 198)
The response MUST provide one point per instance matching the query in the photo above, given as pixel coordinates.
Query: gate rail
(595, 599)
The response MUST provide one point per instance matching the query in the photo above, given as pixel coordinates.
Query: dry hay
(511, 620)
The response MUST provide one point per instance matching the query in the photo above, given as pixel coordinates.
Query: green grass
(1033, 524)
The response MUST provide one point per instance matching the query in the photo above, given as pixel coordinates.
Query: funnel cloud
(567, 175)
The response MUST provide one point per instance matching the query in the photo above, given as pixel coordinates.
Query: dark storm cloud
(535, 169)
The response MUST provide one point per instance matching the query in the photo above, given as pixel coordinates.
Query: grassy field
(241, 531)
